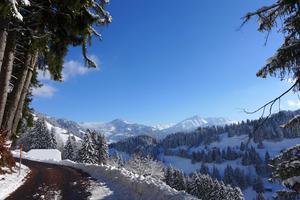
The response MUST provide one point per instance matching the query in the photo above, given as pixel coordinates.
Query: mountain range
(120, 129)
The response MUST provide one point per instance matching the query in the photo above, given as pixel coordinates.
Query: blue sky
(163, 61)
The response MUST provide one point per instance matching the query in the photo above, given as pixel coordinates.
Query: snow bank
(10, 182)
(44, 154)
(144, 188)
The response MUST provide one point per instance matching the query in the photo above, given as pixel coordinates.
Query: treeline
(269, 130)
(92, 149)
(142, 145)
(201, 185)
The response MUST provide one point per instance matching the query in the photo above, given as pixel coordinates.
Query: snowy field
(10, 182)
(188, 167)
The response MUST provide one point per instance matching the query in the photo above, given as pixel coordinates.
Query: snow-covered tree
(101, 148)
(88, 152)
(203, 187)
(38, 137)
(145, 166)
(286, 168)
(69, 151)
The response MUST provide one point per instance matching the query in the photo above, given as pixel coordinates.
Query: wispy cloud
(44, 91)
(293, 103)
(71, 69)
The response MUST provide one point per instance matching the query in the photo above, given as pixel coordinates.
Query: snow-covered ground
(273, 147)
(135, 186)
(44, 154)
(60, 133)
(188, 167)
(10, 182)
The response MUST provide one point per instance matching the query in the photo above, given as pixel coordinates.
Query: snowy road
(48, 181)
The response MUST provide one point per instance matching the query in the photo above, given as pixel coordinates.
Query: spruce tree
(102, 149)
(40, 137)
(88, 153)
(68, 151)
(286, 168)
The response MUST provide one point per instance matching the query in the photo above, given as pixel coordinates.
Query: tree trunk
(25, 89)
(3, 38)
(15, 95)
(6, 71)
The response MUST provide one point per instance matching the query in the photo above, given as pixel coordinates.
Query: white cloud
(293, 103)
(44, 75)
(71, 69)
(44, 91)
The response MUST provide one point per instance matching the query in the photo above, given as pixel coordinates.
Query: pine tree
(260, 196)
(53, 143)
(286, 168)
(168, 176)
(178, 180)
(102, 149)
(40, 137)
(204, 169)
(228, 175)
(68, 151)
(216, 173)
(88, 153)
(267, 157)
(258, 185)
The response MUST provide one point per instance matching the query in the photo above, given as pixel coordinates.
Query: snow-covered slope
(195, 122)
(61, 132)
(118, 129)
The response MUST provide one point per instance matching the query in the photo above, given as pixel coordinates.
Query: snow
(99, 190)
(112, 183)
(129, 185)
(61, 133)
(15, 11)
(292, 181)
(188, 167)
(10, 182)
(273, 147)
(44, 154)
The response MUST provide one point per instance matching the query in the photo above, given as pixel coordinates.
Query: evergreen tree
(102, 149)
(178, 180)
(258, 185)
(204, 169)
(260, 196)
(228, 175)
(53, 143)
(88, 153)
(286, 168)
(39, 137)
(216, 173)
(168, 174)
(68, 151)
(267, 157)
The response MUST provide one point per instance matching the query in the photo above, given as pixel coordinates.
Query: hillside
(223, 152)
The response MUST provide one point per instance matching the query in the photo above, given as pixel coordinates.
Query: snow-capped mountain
(163, 126)
(119, 129)
(196, 121)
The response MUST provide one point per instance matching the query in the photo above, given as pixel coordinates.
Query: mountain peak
(119, 121)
